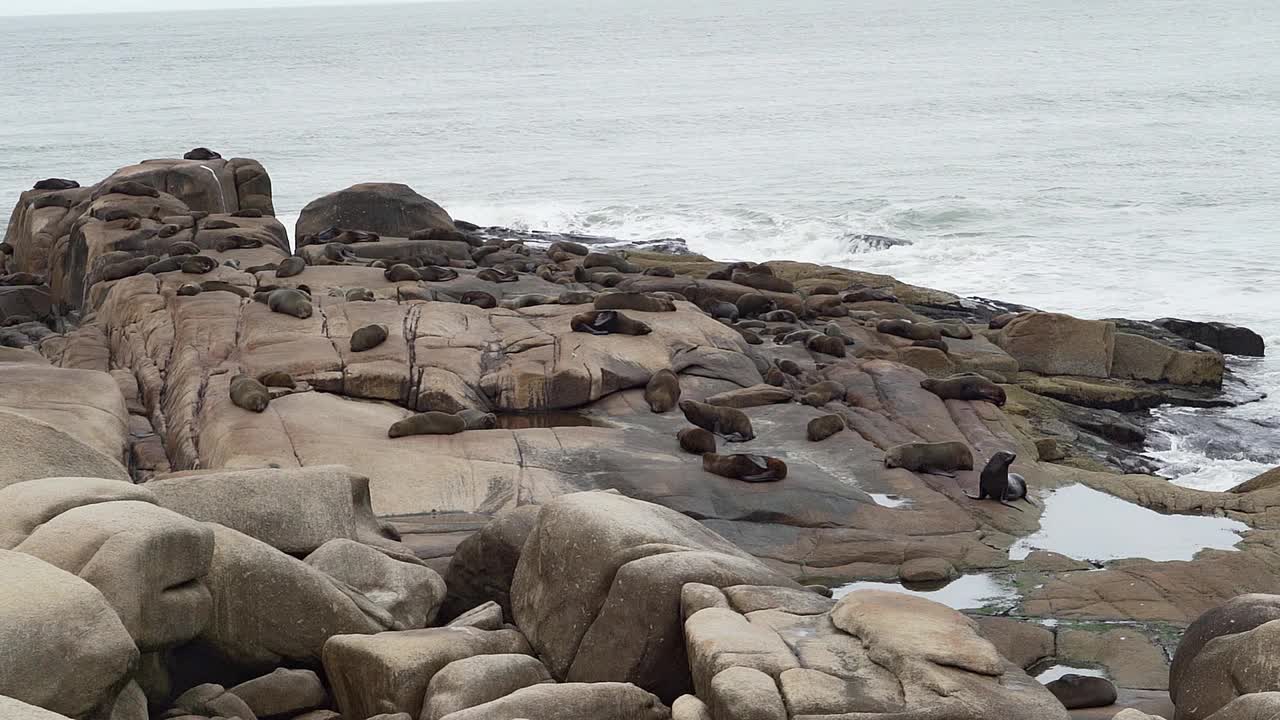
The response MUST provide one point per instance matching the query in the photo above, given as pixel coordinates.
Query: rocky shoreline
(420, 469)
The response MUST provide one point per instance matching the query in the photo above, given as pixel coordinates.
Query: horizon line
(170, 11)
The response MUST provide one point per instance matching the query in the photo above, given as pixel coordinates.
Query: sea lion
(825, 306)
(219, 224)
(748, 468)
(696, 441)
(965, 386)
(201, 153)
(775, 377)
(869, 295)
(633, 301)
(1077, 692)
(189, 289)
(478, 419)
(824, 290)
(935, 458)
(265, 267)
(663, 391)
(821, 428)
(44, 201)
(749, 336)
(368, 337)
(167, 230)
(431, 273)
(223, 286)
(497, 275)
(720, 310)
(184, 247)
(350, 237)
(819, 394)
(790, 367)
(358, 294)
(997, 483)
(55, 184)
(909, 330)
(428, 423)
(338, 253)
(801, 336)
(529, 300)
(126, 268)
(480, 299)
(607, 322)
(233, 263)
(782, 316)
(198, 264)
(277, 378)
(755, 304)
(400, 272)
(836, 332)
(249, 394)
(111, 214)
(617, 262)
(729, 423)
(169, 264)
(761, 278)
(291, 266)
(827, 345)
(127, 187)
(290, 301)
(569, 247)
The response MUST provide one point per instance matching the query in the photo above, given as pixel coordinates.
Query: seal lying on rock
(696, 441)
(663, 391)
(189, 290)
(997, 483)
(909, 330)
(401, 272)
(198, 264)
(290, 266)
(288, 301)
(478, 419)
(729, 423)
(819, 394)
(480, 299)
(940, 458)
(368, 337)
(184, 247)
(431, 273)
(55, 184)
(965, 386)
(607, 322)
(201, 153)
(755, 304)
(497, 275)
(277, 378)
(249, 394)
(529, 300)
(358, 294)
(749, 468)
(633, 301)
(824, 427)
(1077, 692)
(428, 423)
(826, 344)
(782, 316)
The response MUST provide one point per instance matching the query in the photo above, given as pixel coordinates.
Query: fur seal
(729, 423)
(478, 419)
(358, 294)
(827, 345)
(633, 301)
(22, 278)
(576, 297)
(219, 224)
(663, 391)
(761, 277)
(201, 153)
(617, 262)
(824, 290)
(198, 264)
(338, 253)
(184, 247)
(290, 301)
(959, 331)
(126, 268)
(431, 273)
(127, 187)
(935, 458)
(569, 247)
(998, 322)
(748, 468)
(189, 289)
(790, 367)
(782, 316)
(997, 483)
(720, 310)
(801, 335)
(497, 275)
(749, 336)
(249, 394)
(167, 230)
(236, 242)
(775, 377)
(223, 286)
(606, 322)
(1077, 692)
(368, 337)
(696, 441)
(265, 267)
(291, 266)
(55, 184)
(247, 213)
(869, 295)
(755, 304)
(819, 394)
(820, 429)
(401, 272)
(825, 306)
(169, 264)
(935, 344)
(428, 423)
(660, 271)
(480, 299)
(277, 378)
(529, 300)
(909, 330)
(965, 387)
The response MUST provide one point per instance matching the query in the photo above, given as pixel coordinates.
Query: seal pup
(428, 423)
(997, 483)
(965, 386)
(368, 337)
(696, 441)
(748, 468)
(941, 458)
(249, 394)
(607, 322)
(663, 391)
(821, 428)
(729, 423)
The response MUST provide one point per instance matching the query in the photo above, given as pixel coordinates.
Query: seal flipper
(1015, 507)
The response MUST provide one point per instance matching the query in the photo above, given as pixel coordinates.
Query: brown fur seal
(368, 337)
(572, 248)
(248, 213)
(291, 266)
(755, 304)
(663, 391)
(660, 271)
(696, 441)
(790, 367)
(938, 458)
(201, 153)
(720, 310)
(431, 273)
(909, 330)
(401, 272)
(190, 289)
(749, 336)
(198, 264)
(729, 423)
(775, 377)
(606, 322)
(782, 316)
(167, 230)
(819, 394)
(825, 306)
(478, 419)
(820, 429)
(529, 300)
(126, 268)
(935, 344)
(358, 294)
(169, 264)
(762, 278)
(869, 295)
(748, 468)
(999, 321)
(249, 394)
(480, 299)
(633, 301)
(824, 290)
(223, 286)
(997, 483)
(428, 423)
(290, 301)
(183, 247)
(497, 275)
(277, 378)
(617, 262)
(1077, 692)
(965, 387)
(576, 297)
(55, 184)
(826, 345)
(23, 278)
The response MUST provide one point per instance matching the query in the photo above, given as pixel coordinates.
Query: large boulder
(477, 680)
(571, 701)
(484, 565)
(1141, 358)
(34, 449)
(389, 672)
(595, 562)
(410, 593)
(1255, 706)
(27, 505)
(389, 209)
(282, 692)
(11, 709)
(65, 648)
(1240, 614)
(1229, 339)
(1056, 344)
(1227, 652)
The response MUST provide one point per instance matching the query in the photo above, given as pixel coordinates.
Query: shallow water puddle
(1058, 671)
(968, 592)
(889, 501)
(1086, 524)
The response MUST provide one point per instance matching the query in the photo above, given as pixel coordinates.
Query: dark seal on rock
(55, 184)
(428, 423)
(998, 322)
(696, 441)
(198, 264)
(359, 294)
(824, 427)
(223, 286)
(201, 153)
(826, 345)
(607, 322)
(909, 330)
(633, 301)
(1077, 692)
(290, 266)
(663, 391)
(782, 316)
(368, 337)
(480, 299)
(277, 378)
(748, 468)
(566, 246)
(729, 423)
(595, 260)
(169, 264)
(290, 301)
(755, 304)
(965, 387)
(959, 331)
(997, 483)
(720, 310)
(935, 344)
(478, 419)
(126, 268)
(819, 394)
(941, 457)
(249, 394)
(184, 247)
(432, 273)
(401, 272)
(497, 275)
(189, 289)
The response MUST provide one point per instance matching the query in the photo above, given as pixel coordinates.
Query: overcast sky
(64, 7)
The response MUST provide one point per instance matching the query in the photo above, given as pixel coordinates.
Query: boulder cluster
(417, 469)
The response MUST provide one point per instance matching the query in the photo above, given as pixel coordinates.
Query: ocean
(1098, 158)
